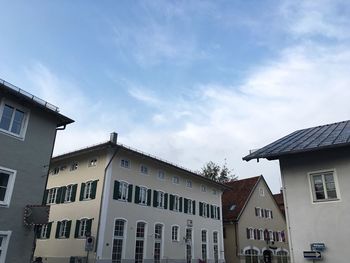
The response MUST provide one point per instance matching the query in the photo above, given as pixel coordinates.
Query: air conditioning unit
(189, 222)
(77, 260)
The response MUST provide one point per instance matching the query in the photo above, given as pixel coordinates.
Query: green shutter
(149, 196)
(218, 212)
(58, 195)
(171, 205)
(63, 193)
(58, 229)
(194, 207)
(180, 201)
(200, 208)
(165, 201)
(38, 231)
(46, 192)
(130, 193)
(211, 211)
(116, 195)
(186, 205)
(93, 189)
(88, 226)
(208, 210)
(155, 201)
(82, 188)
(137, 195)
(77, 225)
(48, 232)
(69, 224)
(74, 192)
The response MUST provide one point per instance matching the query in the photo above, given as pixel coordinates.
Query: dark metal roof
(306, 140)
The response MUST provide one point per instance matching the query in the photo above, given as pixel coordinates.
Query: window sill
(326, 201)
(4, 205)
(13, 135)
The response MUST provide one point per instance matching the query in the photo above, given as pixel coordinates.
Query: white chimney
(113, 138)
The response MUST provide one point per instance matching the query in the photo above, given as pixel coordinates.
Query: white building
(315, 166)
(137, 208)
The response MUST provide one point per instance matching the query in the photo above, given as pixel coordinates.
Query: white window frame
(143, 198)
(251, 233)
(9, 187)
(312, 189)
(123, 190)
(271, 237)
(74, 166)
(144, 169)
(188, 183)
(55, 170)
(144, 239)
(205, 210)
(4, 244)
(205, 243)
(176, 203)
(82, 227)
(125, 163)
(92, 162)
(68, 193)
(261, 191)
(24, 124)
(189, 206)
(160, 199)
(203, 188)
(159, 239)
(175, 237)
(122, 238)
(161, 175)
(261, 232)
(88, 190)
(176, 180)
(51, 196)
(215, 209)
(63, 228)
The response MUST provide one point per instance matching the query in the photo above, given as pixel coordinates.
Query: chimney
(113, 138)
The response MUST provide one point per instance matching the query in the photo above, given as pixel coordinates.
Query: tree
(214, 172)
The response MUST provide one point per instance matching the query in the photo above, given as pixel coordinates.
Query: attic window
(232, 207)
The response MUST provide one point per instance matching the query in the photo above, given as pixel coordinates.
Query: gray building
(315, 166)
(28, 127)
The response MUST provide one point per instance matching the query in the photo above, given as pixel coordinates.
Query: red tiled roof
(280, 202)
(237, 197)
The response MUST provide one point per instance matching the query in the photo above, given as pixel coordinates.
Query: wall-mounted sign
(318, 246)
(312, 255)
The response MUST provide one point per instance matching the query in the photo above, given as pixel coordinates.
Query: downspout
(236, 239)
(102, 195)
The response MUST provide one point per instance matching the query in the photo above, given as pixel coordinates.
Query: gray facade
(25, 155)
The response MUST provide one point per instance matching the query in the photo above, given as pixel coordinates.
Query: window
(257, 211)
(261, 192)
(144, 169)
(205, 210)
(74, 166)
(158, 228)
(123, 191)
(161, 175)
(125, 163)
(55, 171)
(251, 256)
(63, 229)
(140, 239)
(214, 212)
(261, 234)
(204, 245)
(323, 186)
(271, 237)
(216, 247)
(13, 120)
(176, 180)
(69, 195)
(92, 162)
(7, 181)
(215, 192)
(4, 240)
(203, 188)
(161, 199)
(250, 233)
(143, 196)
(176, 203)
(51, 197)
(282, 257)
(44, 231)
(118, 241)
(174, 233)
(189, 183)
(188, 245)
(88, 190)
(82, 227)
(188, 206)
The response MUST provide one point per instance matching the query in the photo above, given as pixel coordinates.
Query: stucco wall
(325, 222)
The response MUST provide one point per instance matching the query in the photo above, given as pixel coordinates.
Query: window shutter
(266, 215)
(82, 188)
(258, 234)
(63, 193)
(208, 210)
(218, 212)
(283, 236)
(74, 192)
(200, 208)
(58, 195)
(93, 189)
(165, 201)
(48, 232)
(194, 207)
(88, 225)
(186, 205)
(248, 233)
(129, 193)
(77, 226)
(155, 198)
(38, 231)
(211, 211)
(69, 224)
(256, 211)
(180, 203)
(255, 234)
(137, 195)
(45, 197)
(271, 213)
(266, 234)
(116, 195)
(149, 197)
(171, 205)
(58, 229)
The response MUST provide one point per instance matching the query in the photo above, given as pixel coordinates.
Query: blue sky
(188, 81)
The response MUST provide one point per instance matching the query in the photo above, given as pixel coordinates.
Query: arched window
(118, 240)
(216, 247)
(282, 257)
(140, 241)
(158, 235)
(251, 256)
(204, 245)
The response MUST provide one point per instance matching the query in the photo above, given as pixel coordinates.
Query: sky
(186, 81)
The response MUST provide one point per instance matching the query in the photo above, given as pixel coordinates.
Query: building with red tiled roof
(280, 201)
(254, 226)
